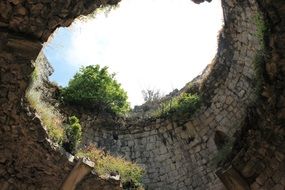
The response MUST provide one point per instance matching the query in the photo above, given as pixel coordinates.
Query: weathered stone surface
(174, 157)
(40, 18)
(90, 183)
(232, 179)
(21, 169)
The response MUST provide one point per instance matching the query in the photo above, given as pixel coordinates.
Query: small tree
(73, 134)
(93, 87)
(151, 95)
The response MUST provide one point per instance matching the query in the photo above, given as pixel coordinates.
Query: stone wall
(176, 154)
(179, 154)
(39, 18)
(259, 154)
(28, 160)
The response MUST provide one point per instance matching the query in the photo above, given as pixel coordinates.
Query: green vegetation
(70, 135)
(35, 74)
(73, 134)
(184, 104)
(176, 105)
(106, 164)
(49, 116)
(93, 87)
(261, 30)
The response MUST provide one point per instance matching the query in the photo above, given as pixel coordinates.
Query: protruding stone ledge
(232, 179)
(83, 169)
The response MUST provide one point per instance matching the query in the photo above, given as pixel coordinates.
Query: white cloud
(150, 43)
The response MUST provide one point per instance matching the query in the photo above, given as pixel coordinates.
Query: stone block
(232, 179)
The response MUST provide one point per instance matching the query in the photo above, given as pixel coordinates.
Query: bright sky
(150, 44)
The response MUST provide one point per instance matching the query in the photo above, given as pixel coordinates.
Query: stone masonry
(258, 156)
(179, 154)
(175, 154)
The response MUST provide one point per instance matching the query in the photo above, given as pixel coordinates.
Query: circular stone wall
(179, 155)
(176, 155)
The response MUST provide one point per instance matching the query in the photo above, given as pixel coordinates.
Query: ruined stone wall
(176, 155)
(258, 160)
(179, 155)
(27, 159)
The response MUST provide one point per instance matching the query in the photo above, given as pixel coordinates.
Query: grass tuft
(184, 104)
(107, 164)
(50, 118)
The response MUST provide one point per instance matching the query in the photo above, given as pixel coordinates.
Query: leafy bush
(73, 134)
(130, 173)
(184, 104)
(93, 87)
